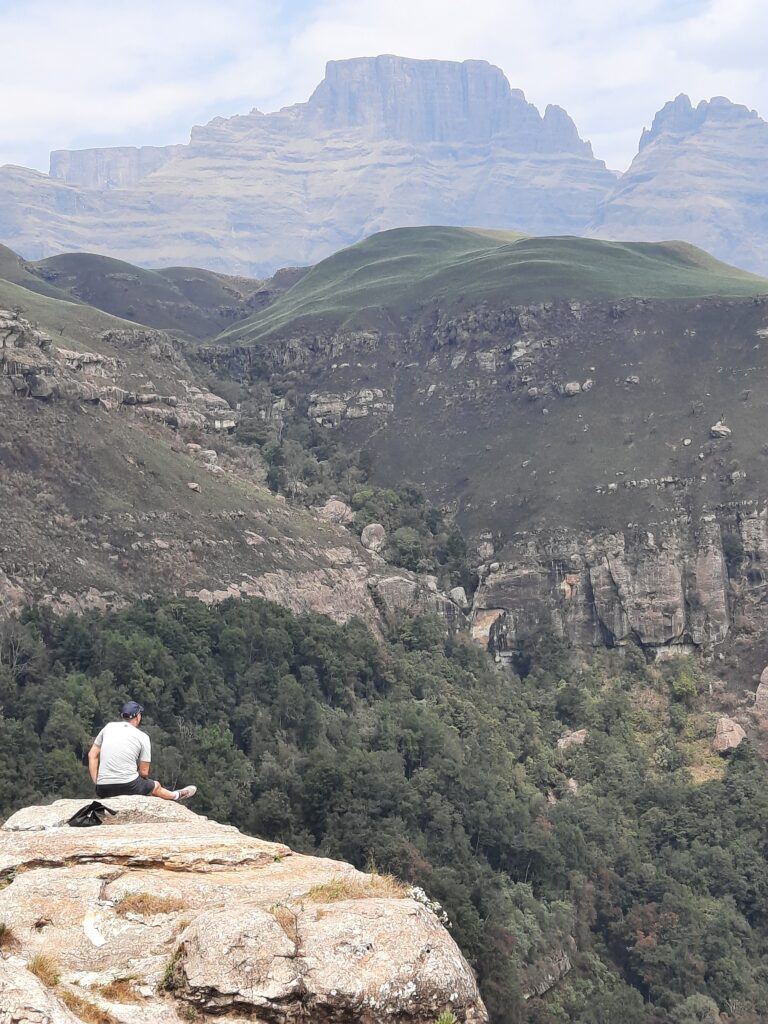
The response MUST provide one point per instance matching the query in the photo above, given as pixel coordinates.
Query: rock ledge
(229, 923)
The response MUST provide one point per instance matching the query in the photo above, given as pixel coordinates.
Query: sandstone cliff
(700, 175)
(161, 916)
(372, 148)
(584, 449)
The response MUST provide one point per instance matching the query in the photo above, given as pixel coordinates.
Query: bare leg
(164, 794)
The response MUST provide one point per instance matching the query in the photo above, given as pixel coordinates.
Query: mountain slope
(700, 174)
(594, 413)
(121, 480)
(383, 142)
(87, 293)
(404, 276)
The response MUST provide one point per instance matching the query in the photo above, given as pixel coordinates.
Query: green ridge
(404, 274)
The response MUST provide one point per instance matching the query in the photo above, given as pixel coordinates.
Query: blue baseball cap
(131, 709)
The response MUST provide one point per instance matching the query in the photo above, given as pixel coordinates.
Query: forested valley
(637, 858)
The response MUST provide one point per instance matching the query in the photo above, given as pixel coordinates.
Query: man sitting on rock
(119, 760)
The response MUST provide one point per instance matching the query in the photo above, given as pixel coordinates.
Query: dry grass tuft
(286, 918)
(354, 889)
(147, 904)
(85, 1009)
(121, 990)
(46, 968)
(7, 938)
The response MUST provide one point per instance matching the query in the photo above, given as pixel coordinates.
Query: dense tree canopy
(417, 755)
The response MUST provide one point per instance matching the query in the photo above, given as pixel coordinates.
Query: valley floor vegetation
(308, 463)
(638, 858)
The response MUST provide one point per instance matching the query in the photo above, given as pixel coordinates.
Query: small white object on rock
(686, 442)
(573, 739)
(572, 388)
(193, 486)
(720, 430)
(728, 735)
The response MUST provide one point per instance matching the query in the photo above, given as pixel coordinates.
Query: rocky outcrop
(33, 366)
(117, 167)
(668, 588)
(374, 537)
(700, 175)
(160, 915)
(577, 738)
(728, 735)
(377, 140)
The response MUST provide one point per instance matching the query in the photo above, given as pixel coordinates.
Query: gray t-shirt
(122, 747)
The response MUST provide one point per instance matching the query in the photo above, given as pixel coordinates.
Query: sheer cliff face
(383, 142)
(582, 446)
(700, 175)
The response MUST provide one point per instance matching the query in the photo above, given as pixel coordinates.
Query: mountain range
(588, 412)
(390, 142)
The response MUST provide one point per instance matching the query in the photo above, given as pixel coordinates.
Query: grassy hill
(67, 319)
(192, 301)
(77, 293)
(403, 275)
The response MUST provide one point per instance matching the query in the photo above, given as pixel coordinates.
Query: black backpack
(92, 814)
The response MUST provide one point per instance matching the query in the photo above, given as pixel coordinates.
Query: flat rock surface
(242, 927)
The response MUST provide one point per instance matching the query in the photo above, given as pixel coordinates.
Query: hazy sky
(86, 73)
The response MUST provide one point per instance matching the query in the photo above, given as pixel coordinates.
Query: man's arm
(93, 762)
(145, 755)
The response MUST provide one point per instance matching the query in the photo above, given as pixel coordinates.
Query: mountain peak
(679, 116)
(423, 101)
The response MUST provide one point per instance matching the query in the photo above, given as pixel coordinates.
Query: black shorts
(139, 787)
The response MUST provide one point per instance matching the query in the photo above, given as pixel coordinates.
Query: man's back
(122, 747)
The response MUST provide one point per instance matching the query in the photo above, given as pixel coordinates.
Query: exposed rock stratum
(195, 919)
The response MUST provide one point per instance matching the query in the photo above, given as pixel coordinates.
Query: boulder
(459, 596)
(728, 735)
(720, 430)
(376, 959)
(336, 511)
(245, 928)
(374, 537)
(572, 388)
(573, 739)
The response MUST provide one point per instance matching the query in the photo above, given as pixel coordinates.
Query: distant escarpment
(607, 458)
(372, 148)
